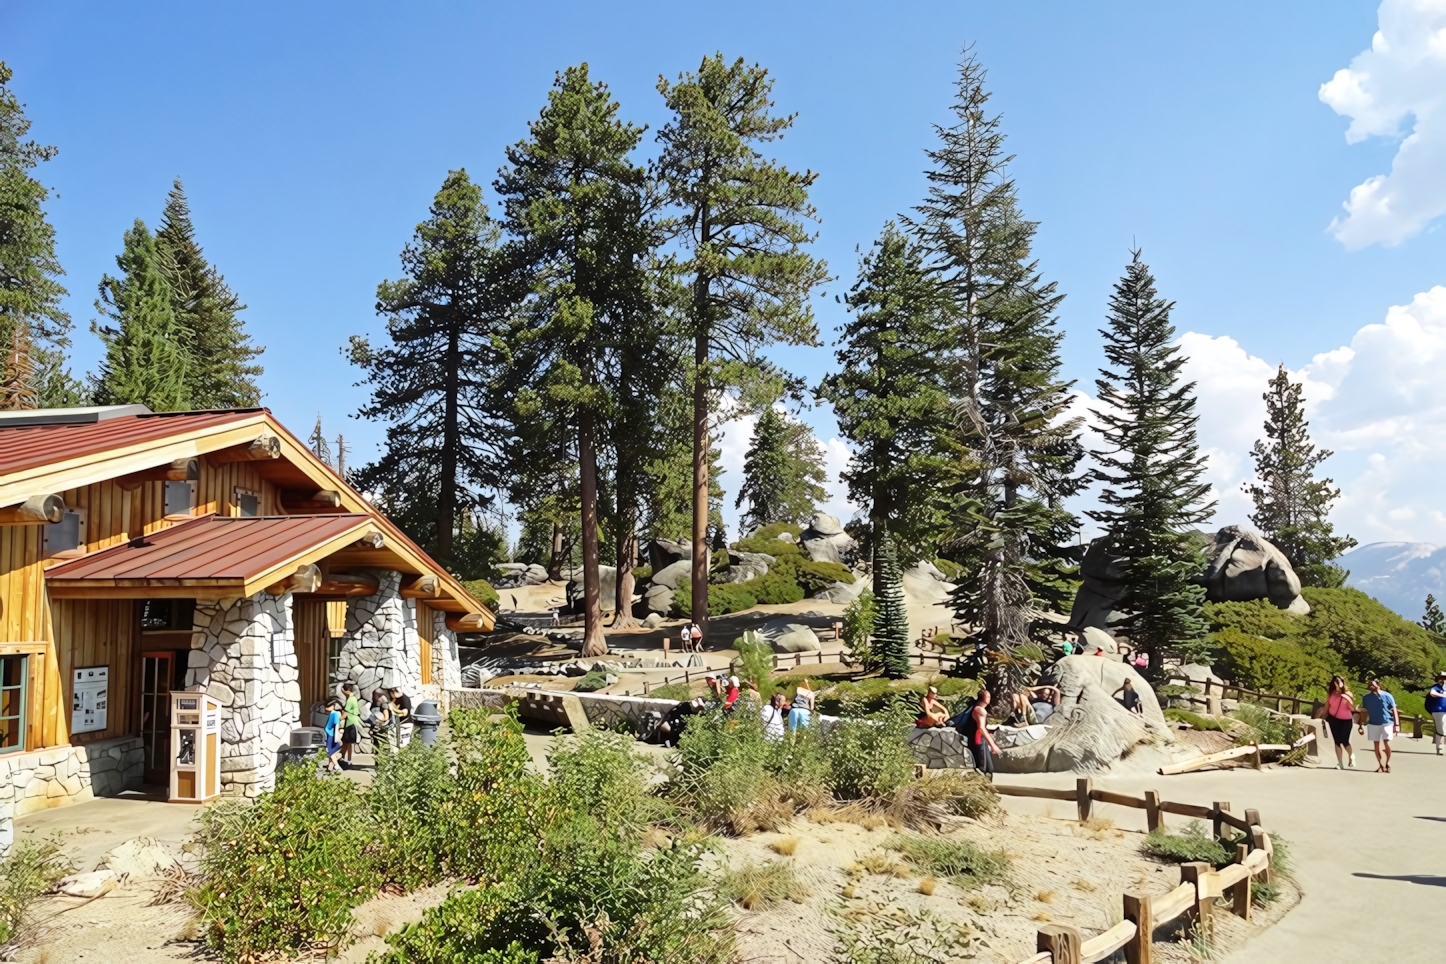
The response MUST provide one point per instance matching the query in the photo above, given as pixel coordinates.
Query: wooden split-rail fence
(1299, 706)
(1193, 901)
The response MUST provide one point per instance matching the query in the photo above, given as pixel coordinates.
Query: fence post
(1219, 823)
(1415, 728)
(1241, 894)
(648, 687)
(1260, 841)
(1197, 872)
(1255, 757)
(1061, 941)
(1153, 816)
(1138, 911)
(1082, 797)
(1252, 817)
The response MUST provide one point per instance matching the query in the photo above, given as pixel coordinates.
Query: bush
(590, 682)
(951, 569)
(766, 540)
(29, 870)
(858, 627)
(283, 873)
(1272, 665)
(874, 694)
(1262, 726)
(1196, 721)
(673, 691)
(959, 860)
(410, 804)
(773, 589)
(755, 662)
(816, 576)
(760, 886)
(642, 574)
(482, 589)
(599, 773)
(722, 599)
(1192, 844)
(867, 753)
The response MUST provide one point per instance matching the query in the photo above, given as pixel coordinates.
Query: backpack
(964, 723)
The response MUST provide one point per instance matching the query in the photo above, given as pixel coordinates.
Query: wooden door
(313, 643)
(158, 671)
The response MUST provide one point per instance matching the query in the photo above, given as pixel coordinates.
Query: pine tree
(1016, 448)
(1433, 621)
(576, 205)
(890, 645)
(17, 389)
(341, 453)
(783, 473)
(431, 382)
(144, 361)
(317, 440)
(222, 369)
(1291, 505)
(888, 395)
(30, 292)
(1152, 471)
(741, 222)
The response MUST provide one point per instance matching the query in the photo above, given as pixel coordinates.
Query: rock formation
(787, 635)
(826, 541)
(1102, 588)
(1244, 565)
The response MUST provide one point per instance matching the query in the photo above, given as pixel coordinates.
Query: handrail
(1418, 723)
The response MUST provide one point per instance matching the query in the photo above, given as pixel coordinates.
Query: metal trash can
(301, 747)
(425, 719)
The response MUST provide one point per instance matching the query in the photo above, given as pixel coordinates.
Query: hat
(732, 681)
(1441, 675)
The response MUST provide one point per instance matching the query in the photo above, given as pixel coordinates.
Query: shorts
(983, 759)
(798, 718)
(349, 735)
(1340, 730)
(1381, 733)
(1438, 722)
(332, 747)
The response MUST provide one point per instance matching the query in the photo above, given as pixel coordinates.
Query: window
(13, 680)
(180, 498)
(248, 504)
(167, 615)
(333, 665)
(66, 538)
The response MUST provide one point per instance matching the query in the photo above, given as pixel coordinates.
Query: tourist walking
(401, 716)
(351, 721)
(1340, 716)
(695, 633)
(975, 730)
(1128, 698)
(773, 717)
(331, 733)
(801, 711)
(1436, 706)
(1383, 721)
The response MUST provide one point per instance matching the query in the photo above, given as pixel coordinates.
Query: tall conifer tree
(1291, 504)
(575, 204)
(783, 473)
(742, 223)
(432, 382)
(1151, 471)
(890, 645)
(30, 289)
(222, 369)
(145, 362)
(1016, 448)
(889, 397)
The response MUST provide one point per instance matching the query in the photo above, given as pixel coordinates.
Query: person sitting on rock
(801, 710)
(1044, 700)
(1130, 700)
(933, 712)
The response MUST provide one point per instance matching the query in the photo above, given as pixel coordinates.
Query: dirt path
(1369, 850)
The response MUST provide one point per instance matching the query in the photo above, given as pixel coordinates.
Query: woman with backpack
(1340, 714)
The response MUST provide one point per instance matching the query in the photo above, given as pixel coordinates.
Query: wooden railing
(1298, 705)
(1194, 899)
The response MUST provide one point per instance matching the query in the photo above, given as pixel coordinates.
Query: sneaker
(1351, 761)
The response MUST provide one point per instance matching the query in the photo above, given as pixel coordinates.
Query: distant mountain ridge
(1398, 574)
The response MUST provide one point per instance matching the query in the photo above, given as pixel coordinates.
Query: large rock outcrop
(787, 635)
(1244, 565)
(1092, 731)
(1102, 587)
(826, 541)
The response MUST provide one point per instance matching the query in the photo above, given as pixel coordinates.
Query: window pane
(12, 670)
(178, 498)
(64, 535)
(250, 505)
(10, 731)
(10, 702)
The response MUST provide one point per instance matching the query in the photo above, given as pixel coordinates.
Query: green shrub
(673, 691)
(411, 806)
(959, 860)
(29, 870)
(722, 599)
(642, 574)
(1262, 726)
(867, 753)
(816, 576)
(755, 662)
(1195, 720)
(1272, 665)
(774, 589)
(482, 589)
(760, 886)
(590, 682)
(858, 627)
(599, 773)
(1191, 844)
(766, 540)
(283, 873)
(874, 693)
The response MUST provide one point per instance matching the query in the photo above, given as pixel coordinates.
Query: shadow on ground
(1428, 880)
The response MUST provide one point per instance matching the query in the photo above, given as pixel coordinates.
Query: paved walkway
(1369, 850)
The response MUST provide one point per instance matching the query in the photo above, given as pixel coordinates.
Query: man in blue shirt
(1383, 720)
(1436, 706)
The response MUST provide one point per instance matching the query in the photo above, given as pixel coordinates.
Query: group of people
(779, 714)
(387, 718)
(690, 640)
(1378, 718)
(971, 724)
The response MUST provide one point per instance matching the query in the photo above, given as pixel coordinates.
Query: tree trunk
(594, 643)
(627, 555)
(700, 480)
(447, 489)
(554, 564)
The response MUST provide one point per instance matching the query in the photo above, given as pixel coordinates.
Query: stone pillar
(381, 648)
(243, 654)
(446, 662)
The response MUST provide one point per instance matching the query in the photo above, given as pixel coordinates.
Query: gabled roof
(213, 556)
(26, 445)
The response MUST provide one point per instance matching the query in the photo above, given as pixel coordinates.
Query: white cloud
(1402, 75)
(1379, 403)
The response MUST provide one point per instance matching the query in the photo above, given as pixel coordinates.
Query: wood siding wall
(308, 620)
(93, 633)
(426, 631)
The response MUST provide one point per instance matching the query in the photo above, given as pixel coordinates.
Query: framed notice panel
(89, 696)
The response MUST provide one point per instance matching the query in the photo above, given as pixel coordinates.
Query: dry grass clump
(1045, 896)
(959, 792)
(980, 904)
(961, 861)
(785, 846)
(759, 886)
(927, 886)
(883, 865)
(1083, 885)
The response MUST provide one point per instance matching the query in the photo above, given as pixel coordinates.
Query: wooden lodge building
(142, 553)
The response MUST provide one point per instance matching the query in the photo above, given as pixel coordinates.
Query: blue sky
(312, 137)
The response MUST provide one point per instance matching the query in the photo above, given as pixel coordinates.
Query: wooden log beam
(426, 586)
(34, 511)
(181, 470)
(1153, 817)
(1140, 912)
(348, 585)
(1199, 873)
(1118, 799)
(1101, 946)
(1206, 760)
(466, 623)
(304, 579)
(324, 500)
(1240, 895)
(1042, 793)
(1082, 797)
(1061, 941)
(264, 448)
(371, 540)
(1175, 903)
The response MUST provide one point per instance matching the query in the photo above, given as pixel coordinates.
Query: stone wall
(63, 775)
(242, 654)
(446, 662)
(381, 648)
(602, 710)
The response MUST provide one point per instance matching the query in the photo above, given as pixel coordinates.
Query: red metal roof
(30, 446)
(211, 547)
